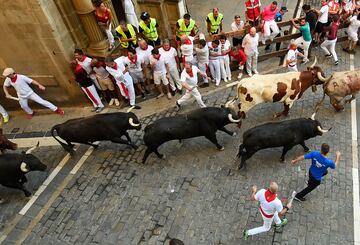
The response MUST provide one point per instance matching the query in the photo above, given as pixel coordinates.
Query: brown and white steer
(285, 87)
(342, 84)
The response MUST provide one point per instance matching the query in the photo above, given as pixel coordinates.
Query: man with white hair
(270, 208)
(250, 45)
(25, 92)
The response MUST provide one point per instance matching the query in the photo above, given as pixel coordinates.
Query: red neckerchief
(191, 74)
(115, 66)
(269, 196)
(78, 69)
(146, 47)
(133, 60)
(188, 41)
(14, 78)
(83, 57)
(158, 58)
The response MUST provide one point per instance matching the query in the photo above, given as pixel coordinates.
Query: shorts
(158, 77)
(137, 76)
(106, 83)
(353, 36)
(320, 27)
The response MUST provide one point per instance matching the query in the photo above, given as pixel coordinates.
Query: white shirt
(250, 44)
(169, 56)
(348, 5)
(268, 207)
(188, 49)
(86, 64)
(159, 64)
(145, 54)
(202, 55)
(118, 73)
(101, 72)
(134, 67)
(225, 47)
(292, 55)
(21, 85)
(324, 14)
(214, 51)
(192, 81)
(354, 24)
(235, 27)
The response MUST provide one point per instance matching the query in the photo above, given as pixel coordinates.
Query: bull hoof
(282, 160)
(27, 193)
(234, 134)
(221, 149)
(163, 157)
(135, 147)
(240, 167)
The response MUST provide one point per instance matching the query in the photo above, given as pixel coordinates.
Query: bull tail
(66, 146)
(241, 151)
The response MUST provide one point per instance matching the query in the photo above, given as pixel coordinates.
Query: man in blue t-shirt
(318, 169)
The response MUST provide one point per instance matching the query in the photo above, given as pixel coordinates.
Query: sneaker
(255, 72)
(173, 93)
(263, 41)
(328, 55)
(94, 109)
(250, 74)
(136, 107)
(160, 95)
(99, 109)
(336, 63)
(178, 105)
(112, 101)
(245, 235)
(6, 119)
(240, 76)
(60, 111)
(229, 78)
(204, 85)
(30, 116)
(117, 102)
(225, 80)
(300, 199)
(284, 221)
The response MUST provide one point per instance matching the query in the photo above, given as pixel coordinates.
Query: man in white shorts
(25, 92)
(270, 208)
(159, 66)
(85, 63)
(189, 81)
(172, 60)
(291, 58)
(123, 79)
(144, 52)
(352, 32)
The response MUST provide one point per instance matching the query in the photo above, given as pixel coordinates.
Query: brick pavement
(114, 199)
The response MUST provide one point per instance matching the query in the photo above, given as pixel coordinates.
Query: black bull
(109, 126)
(284, 134)
(201, 122)
(13, 168)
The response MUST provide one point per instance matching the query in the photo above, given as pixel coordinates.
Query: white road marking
(29, 142)
(82, 160)
(355, 168)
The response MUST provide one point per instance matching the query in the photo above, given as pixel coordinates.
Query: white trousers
(215, 70)
(203, 68)
(266, 225)
(93, 96)
(251, 62)
(300, 42)
(130, 89)
(329, 47)
(108, 33)
(24, 103)
(292, 68)
(268, 27)
(225, 67)
(174, 79)
(187, 96)
(3, 111)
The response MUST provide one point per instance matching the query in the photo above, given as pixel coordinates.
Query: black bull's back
(10, 167)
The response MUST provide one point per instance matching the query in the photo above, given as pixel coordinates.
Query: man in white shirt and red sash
(270, 208)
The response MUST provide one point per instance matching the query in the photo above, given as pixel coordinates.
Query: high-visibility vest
(215, 24)
(183, 29)
(122, 33)
(253, 10)
(149, 32)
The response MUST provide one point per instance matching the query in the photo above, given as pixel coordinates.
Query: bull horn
(131, 122)
(24, 168)
(231, 119)
(313, 64)
(130, 109)
(229, 102)
(322, 130)
(323, 79)
(33, 148)
(313, 116)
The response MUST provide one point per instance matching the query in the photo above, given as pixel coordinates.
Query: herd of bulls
(205, 122)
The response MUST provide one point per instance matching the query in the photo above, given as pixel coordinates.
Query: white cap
(8, 71)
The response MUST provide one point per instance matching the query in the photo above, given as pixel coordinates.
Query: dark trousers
(312, 184)
(237, 41)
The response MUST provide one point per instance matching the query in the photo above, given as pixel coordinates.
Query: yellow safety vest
(149, 33)
(122, 33)
(183, 29)
(215, 25)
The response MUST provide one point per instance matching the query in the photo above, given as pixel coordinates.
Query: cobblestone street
(195, 194)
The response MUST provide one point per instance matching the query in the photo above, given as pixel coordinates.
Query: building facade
(39, 36)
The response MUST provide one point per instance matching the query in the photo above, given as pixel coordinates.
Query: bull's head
(319, 129)
(234, 110)
(318, 75)
(31, 162)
